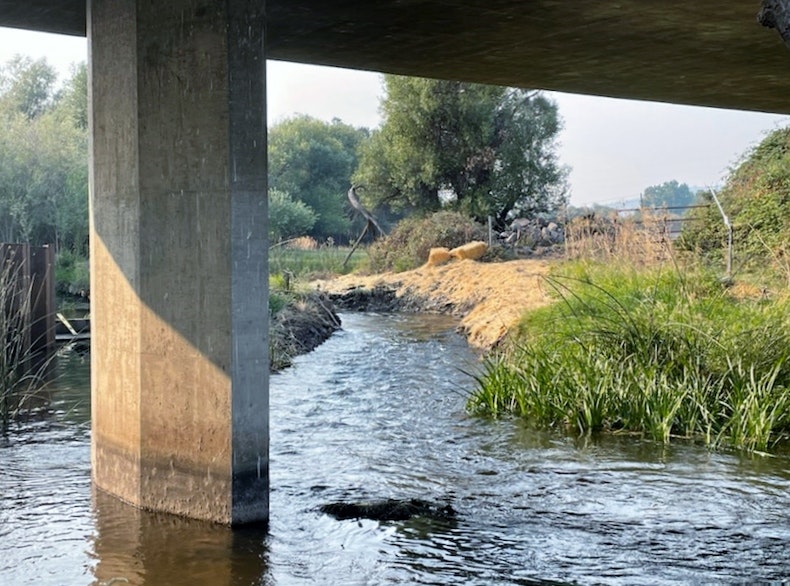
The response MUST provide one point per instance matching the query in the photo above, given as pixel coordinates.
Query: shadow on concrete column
(179, 269)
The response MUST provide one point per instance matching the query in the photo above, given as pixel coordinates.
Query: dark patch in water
(389, 510)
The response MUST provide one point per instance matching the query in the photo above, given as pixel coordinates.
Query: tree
(669, 194)
(288, 218)
(485, 150)
(43, 161)
(312, 161)
(28, 86)
(73, 100)
(528, 178)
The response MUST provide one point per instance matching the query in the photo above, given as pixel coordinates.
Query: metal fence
(671, 217)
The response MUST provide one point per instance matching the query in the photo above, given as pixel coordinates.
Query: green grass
(308, 264)
(658, 353)
(290, 271)
(72, 273)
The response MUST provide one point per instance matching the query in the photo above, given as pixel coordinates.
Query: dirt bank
(300, 327)
(489, 297)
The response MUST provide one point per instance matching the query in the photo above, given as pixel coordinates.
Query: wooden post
(31, 278)
(42, 307)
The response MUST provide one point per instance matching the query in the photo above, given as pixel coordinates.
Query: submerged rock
(389, 510)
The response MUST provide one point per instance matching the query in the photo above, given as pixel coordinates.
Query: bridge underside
(179, 269)
(704, 52)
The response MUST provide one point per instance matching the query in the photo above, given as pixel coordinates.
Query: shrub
(756, 197)
(72, 274)
(288, 217)
(409, 243)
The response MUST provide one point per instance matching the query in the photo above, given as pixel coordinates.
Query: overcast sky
(615, 148)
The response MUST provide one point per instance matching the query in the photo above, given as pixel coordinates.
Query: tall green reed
(658, 353)
(21, 373)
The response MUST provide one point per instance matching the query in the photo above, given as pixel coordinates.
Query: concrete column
(179, 356)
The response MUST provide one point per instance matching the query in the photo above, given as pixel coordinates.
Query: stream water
(378, 412)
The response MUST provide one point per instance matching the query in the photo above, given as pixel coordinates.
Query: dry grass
(630, 241)
(489, 297)
(302, 243)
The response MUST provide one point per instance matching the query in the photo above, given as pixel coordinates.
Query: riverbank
(303, 324)
(489, 298)
(664, 353)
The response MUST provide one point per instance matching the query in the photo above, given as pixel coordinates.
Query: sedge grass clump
(656, 352)
(21, 373)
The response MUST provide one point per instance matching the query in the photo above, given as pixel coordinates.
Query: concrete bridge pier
(179, 256)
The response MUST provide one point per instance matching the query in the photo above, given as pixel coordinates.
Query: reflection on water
(377, 412)
(149, 548)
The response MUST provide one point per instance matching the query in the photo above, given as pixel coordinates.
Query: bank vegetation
(648, 336)
(661, 352)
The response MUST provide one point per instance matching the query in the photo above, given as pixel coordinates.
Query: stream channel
(377, 412)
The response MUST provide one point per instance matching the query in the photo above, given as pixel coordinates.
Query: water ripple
(378, 413)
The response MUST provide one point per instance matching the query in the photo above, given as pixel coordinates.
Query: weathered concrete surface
(705, 52)
(179, 258)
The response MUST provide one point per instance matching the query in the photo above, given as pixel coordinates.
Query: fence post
(42, 289)
(727, 225)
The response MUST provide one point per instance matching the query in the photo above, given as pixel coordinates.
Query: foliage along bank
(661, 353)
(43, 149)
(669, 350)
(756, 197)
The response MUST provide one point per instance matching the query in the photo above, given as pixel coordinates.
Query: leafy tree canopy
(481, 149)
(668, 194)
(43, 158)
(28, 86)
(312, 161)
(73, 100)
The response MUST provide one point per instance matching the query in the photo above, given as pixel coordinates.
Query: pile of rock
(531, 233)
